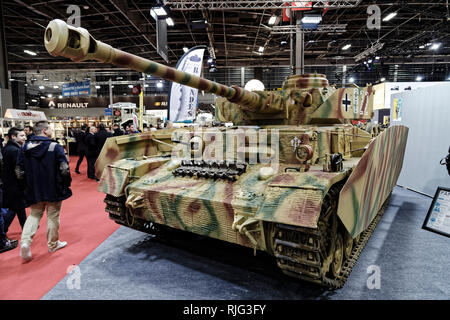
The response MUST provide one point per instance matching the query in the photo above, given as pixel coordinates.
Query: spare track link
(298, 252)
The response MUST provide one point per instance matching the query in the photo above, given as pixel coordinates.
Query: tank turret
(304, 99)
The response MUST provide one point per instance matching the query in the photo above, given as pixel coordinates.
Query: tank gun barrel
(77, 44)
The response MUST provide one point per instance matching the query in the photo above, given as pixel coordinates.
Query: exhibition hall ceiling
(235, 31)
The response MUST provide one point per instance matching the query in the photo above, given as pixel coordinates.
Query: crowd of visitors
(34, 173)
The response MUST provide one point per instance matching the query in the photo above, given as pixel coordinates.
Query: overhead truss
(256, 5)
(338, 28)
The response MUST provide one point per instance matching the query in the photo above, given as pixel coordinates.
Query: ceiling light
(210, 60)
(145, 85)
(370, 61)
(311, 41)
(261, 49)
(377, 58)
(49, 95)
(422, 47)
(383, 79)
(45, 78)
(119, 78)
(283, 42)
(170, 22)
(55, 87)
(159, 11)
(42, 97)
(33, 100)
(347, 46)
(419, 78)
(31, 53)
(435, 46)
(185, 49)
(390, 16)
(272, 20)
(312, 19)
(60, 96)
(130, 86)
(159, 85)
(41, 87)
(351, 80)
(97, 87)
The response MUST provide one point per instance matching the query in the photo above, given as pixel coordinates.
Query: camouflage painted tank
(293, 178)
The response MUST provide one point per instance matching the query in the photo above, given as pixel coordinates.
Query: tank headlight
(304, 152)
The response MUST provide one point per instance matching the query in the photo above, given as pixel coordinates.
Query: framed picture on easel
(438, 217)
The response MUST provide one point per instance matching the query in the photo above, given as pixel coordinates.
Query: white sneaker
(60, 245)
(25, 252)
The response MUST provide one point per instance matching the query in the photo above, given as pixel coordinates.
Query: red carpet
(84, 225)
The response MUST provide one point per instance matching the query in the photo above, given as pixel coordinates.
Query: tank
(292, 176)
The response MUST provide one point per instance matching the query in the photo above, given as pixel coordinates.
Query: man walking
(12, 194)
(44, 168)
(81, 147)
(91, 151)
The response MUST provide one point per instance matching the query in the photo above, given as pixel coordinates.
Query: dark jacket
(46, 172)
(91, 145)
(12, 194)
(30, 136)
(81, 144)
(100, 138)
(117, 132)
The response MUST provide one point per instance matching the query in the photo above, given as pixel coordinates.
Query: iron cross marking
(346, 102)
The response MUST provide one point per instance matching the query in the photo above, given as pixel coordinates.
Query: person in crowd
(127, 129)
(81, 146)
(168, 124)
(100, 137)
(132, 129)
(91, 151)
(5, 243)
(29, 132)
(117, 130)
(13, 199)
(43, 168)
(152, 128)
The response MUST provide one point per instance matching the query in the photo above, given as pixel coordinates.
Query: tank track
(115, 206)
(300, 251)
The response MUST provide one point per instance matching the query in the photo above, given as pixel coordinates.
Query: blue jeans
(2, 228)
(9, 217)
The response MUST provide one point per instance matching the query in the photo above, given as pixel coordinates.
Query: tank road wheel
(338, 257)
(348, 245)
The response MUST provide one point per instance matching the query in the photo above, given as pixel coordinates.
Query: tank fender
(372, 180)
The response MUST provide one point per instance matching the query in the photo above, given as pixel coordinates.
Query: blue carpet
(413, 264)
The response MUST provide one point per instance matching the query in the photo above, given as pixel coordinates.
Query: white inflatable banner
(183, 100)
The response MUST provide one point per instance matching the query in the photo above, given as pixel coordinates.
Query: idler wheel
(338, 257)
